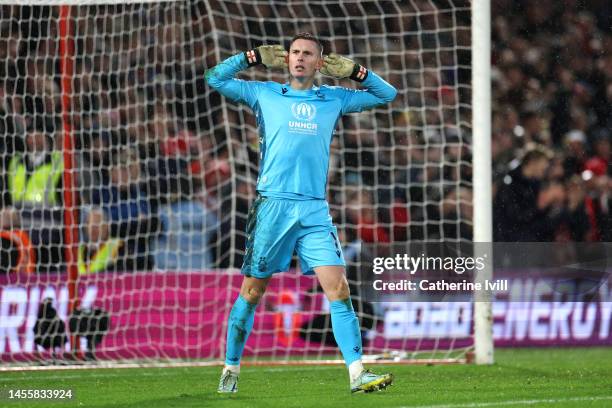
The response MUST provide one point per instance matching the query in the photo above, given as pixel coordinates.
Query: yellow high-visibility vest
(105, 256)
(41, 186)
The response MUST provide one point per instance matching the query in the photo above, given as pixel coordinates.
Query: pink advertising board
(183, 315)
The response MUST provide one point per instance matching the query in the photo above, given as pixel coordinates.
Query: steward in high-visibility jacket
(34, 188)
(100, 259)
(38, 186)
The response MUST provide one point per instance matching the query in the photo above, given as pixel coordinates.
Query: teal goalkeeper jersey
(295, 127)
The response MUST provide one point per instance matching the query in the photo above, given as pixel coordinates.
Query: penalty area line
(512, 402)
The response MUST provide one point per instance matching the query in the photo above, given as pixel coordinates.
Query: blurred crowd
(165, 169)
(552, 87)
(147, 171)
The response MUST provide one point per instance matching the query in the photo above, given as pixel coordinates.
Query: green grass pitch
(562, 377)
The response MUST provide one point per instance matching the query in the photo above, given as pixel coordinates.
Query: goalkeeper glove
(272, 56)
(338, 67)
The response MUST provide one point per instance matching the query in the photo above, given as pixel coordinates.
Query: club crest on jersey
(303, 111)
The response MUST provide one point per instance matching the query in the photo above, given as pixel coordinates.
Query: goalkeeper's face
(305, 59)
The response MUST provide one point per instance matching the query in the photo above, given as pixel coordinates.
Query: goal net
(126, 180)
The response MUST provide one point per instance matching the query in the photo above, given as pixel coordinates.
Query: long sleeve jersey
(295, 126)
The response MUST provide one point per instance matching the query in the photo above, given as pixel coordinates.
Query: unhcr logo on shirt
(304, 113)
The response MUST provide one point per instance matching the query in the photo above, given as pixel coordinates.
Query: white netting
(165, 171)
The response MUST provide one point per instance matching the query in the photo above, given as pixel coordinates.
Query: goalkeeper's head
(305, 56)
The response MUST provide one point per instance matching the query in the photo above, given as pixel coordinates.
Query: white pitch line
(161, 372)
(91, 376)
(511, 402)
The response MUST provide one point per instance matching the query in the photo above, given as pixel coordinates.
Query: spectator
(522, 209)
(34, 181)
(99, 252)
(363, 211)
(93, 162)
(575, 143)
(126, 205)
(187, 229)
(456, 216)
(574, 225)
(598, 199)
(602, 151)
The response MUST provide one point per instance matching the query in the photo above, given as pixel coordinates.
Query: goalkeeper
(296, 122)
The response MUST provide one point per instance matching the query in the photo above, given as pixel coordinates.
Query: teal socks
(346, 330)
(239, 327)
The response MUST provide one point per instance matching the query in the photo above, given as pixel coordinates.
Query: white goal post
(483, 199)
(145, 221)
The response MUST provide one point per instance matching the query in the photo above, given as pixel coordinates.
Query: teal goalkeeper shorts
(278, 227)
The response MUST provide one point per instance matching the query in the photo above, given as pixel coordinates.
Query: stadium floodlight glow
(123, 72)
